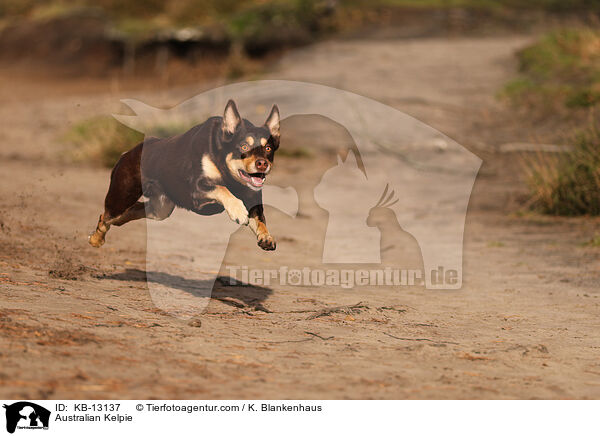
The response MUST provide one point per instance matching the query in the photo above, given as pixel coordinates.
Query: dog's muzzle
(255, 180)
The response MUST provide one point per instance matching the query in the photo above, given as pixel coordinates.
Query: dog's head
(249, 150)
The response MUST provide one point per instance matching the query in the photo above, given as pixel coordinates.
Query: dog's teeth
(257, 181)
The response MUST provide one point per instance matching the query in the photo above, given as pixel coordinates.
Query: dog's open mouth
(254, 179)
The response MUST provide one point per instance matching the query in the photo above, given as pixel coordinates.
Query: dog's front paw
(238, 212)
(267, 242)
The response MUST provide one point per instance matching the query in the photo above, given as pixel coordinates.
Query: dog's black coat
(176, 165)
(170, 171)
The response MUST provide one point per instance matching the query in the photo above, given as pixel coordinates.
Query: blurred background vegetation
(559, 79)
(263, 25)
(561, 70)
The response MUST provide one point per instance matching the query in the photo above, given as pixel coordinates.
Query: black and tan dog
(218, 165)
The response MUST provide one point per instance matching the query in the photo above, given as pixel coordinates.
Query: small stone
(195, 323)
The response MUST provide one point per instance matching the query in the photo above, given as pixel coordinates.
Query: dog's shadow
(224, 289)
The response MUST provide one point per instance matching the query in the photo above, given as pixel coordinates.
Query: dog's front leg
(233, 205)
(258, 225)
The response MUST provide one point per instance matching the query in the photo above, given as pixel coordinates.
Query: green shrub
(564, 66)
(102, 140)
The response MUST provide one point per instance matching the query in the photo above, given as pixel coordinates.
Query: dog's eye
(245, 147)
(268, 149)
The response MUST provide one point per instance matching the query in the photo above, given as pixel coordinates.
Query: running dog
(218, 165)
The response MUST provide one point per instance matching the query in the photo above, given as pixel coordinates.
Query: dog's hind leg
(135, 212)
(96, 239)
(157, 208)
(122, 197)
(117, 217)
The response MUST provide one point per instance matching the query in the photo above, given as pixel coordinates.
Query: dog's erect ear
(273, 122)
(231, 118)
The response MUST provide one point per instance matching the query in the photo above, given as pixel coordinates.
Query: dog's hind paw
(96, 239)
(267, 242)
(238, 212)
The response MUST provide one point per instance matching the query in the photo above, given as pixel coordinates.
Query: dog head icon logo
(26, 415)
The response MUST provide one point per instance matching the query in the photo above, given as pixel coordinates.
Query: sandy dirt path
(76, 322)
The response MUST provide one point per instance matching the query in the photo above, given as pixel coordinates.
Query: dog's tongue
(257, 181)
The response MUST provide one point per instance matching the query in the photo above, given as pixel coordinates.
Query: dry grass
(569, 183)
(560, 80)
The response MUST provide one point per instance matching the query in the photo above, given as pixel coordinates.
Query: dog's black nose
(261, 164)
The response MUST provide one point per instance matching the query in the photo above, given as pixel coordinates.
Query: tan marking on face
(250, 140)
(234, 165)
(249, 164)
(263, 141)
(209, 169)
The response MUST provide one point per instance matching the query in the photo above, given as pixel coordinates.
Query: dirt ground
(78, 322)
